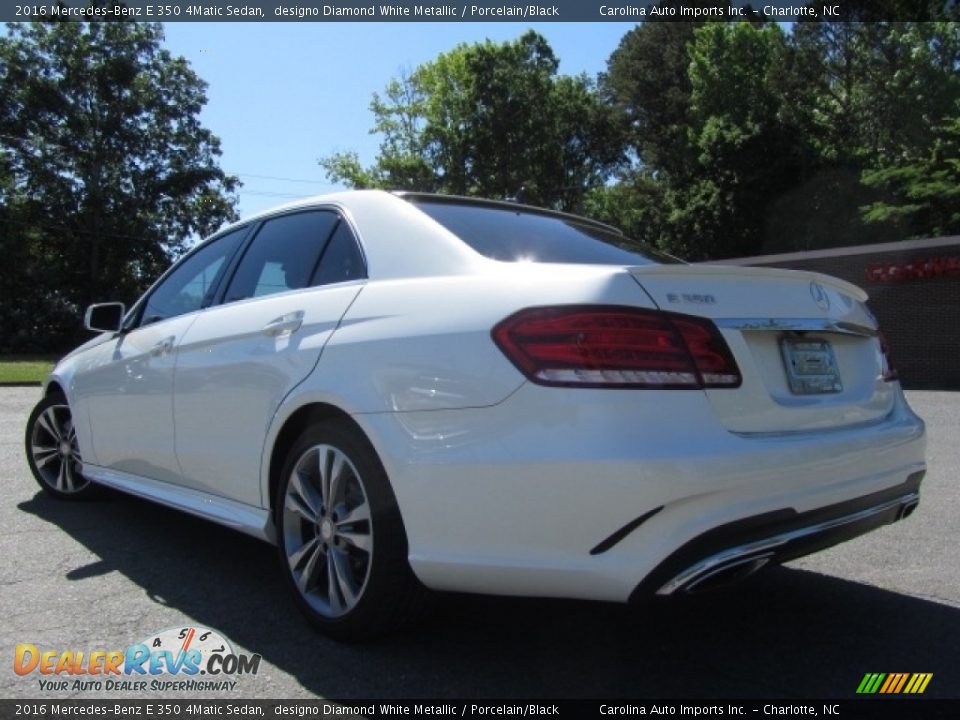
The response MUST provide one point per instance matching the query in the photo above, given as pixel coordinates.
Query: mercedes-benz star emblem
(819, 296)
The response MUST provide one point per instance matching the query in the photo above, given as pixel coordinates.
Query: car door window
(283, 255)
(342, 260)
(190, 286)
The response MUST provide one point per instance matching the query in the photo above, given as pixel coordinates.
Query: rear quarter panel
(424, 344)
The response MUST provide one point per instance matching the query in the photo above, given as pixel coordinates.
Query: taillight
(887, 369)
(615, 346)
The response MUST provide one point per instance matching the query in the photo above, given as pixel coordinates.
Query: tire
(343, 548)
(52, 451)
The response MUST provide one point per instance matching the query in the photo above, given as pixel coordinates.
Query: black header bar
(523, 11)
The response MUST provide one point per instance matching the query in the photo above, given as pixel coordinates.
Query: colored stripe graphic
(894, 683)
(870, 683)
(900, 683)
(927, 677)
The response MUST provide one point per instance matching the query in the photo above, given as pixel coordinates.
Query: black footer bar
(873, 709)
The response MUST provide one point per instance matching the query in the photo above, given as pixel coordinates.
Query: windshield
(502, 233)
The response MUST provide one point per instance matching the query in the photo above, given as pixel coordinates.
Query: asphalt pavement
(104, 575)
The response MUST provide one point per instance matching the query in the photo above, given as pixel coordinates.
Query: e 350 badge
(178, 659)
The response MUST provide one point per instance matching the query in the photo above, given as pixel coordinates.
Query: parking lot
(106, 574)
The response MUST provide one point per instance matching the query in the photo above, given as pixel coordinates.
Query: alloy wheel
(328, 531)
(54, 451)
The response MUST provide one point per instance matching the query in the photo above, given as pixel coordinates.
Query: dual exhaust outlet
(742, 561)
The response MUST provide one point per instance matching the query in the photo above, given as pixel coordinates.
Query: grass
(25, 368)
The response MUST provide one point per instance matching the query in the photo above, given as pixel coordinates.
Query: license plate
(811, 366)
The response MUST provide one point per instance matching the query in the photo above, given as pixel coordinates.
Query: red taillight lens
(887, 368)
(613, 346)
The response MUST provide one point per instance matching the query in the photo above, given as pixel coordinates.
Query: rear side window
(341, 260)
(283, 256)
(522, 236)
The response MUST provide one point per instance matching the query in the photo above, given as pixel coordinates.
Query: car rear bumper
(606, 495)
(740, 548)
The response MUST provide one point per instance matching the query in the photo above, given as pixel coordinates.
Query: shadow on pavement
(786, 633)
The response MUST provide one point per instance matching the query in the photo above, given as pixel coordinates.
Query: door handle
(163, 347)
(284, 325)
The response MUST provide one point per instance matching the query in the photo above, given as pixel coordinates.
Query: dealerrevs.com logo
(185, 658)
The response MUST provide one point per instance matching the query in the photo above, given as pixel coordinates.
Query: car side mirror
(105, 317)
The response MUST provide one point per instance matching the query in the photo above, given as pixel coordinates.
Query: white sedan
(406, 391)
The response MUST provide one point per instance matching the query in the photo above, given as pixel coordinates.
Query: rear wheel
(341, 539)
(52, 451)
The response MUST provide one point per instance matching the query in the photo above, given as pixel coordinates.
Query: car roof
(398, 240)
(401, 241)
(347, 196)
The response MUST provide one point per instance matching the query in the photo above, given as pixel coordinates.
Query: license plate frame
(811, 366)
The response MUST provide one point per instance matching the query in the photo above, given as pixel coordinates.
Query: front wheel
(52, 451)
(341, 538)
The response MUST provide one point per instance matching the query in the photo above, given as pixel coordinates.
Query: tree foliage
(647, 84)
(490, 119)
(742, 149)
(707, 139)
(763, 140)
(922, 194)
(636, 205)
(710, 139)
(105, 172)
(916, 119)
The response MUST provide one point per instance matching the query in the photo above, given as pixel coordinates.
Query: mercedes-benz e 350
(406, 391)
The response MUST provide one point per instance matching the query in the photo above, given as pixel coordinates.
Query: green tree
(922, 195)
(105, 172)
(647, 83)
(822, 87)
(710, 138)
(493, 120)
(761, 141)
(635, 204)
(915, 125)
(745, 155)
(647, 86)
(871, 101)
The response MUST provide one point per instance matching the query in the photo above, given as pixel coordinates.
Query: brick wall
(914, 289)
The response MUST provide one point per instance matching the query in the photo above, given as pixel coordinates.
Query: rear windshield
(522, 236)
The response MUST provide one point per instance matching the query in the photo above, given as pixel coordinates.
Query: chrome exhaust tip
(741, 561)
(906, 510)
(728, 574)
(716, 576)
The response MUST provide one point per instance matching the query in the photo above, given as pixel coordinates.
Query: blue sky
(281, 95)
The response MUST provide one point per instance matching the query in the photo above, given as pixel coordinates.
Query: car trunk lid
(806, 344)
